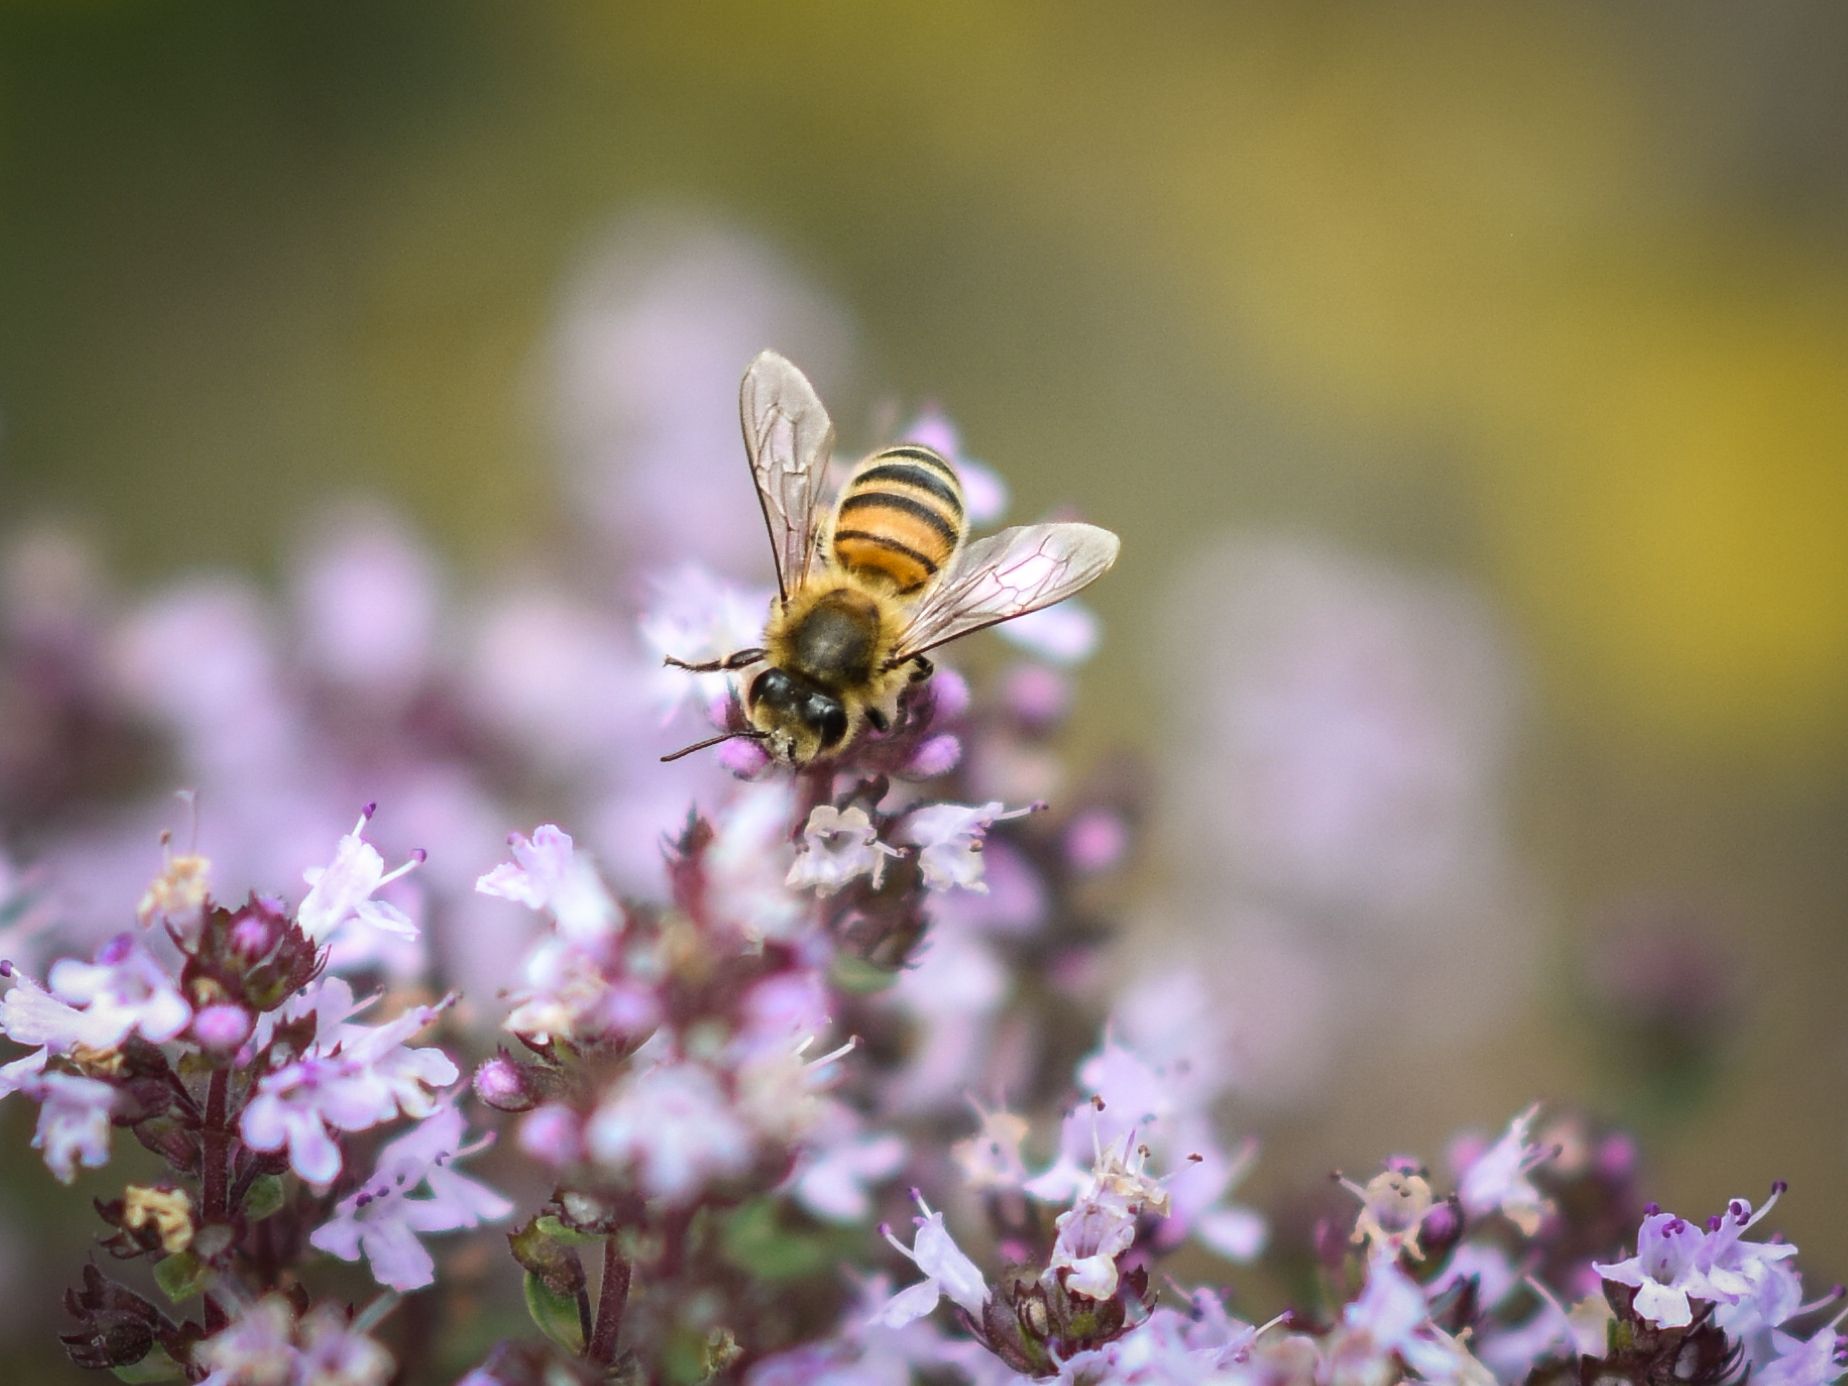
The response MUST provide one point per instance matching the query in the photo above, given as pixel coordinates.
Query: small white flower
(125, 989)
(1391, 1316)
(949, 840)
(548, 874)
(73, 1126)
(333, 1354)
(33, 1016)
(1496, 1180)
(675, 1127)
(947, 1271)
(344, 889)
(255, 1349)
(837, 846)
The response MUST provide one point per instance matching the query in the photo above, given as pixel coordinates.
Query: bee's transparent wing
(1007, 575)
(788, 438)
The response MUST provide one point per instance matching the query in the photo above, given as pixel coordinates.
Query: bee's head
(800, 722)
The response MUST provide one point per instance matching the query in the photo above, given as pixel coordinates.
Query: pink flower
(73, 1126)
(949, 841)
(674, 1127)
(124, 988)
(1496, 1180)
(548, 874)
(382, 1221)
(364, 1077)
(947, 1271)
(345, 889)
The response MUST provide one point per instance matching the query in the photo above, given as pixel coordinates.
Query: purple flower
(265, 1346)
(548, 874)
(366, 1076)
(1101, 1224)
(257, 1348)
(221, 1028)
(674, 1127)
(947, 1271)
(697, 617)
(31, 1015)
(73, 1125)
(1756, 1281)
(1665, 1272)
(124, 989)
(1496, 1180)
(839, 1162)
(344, 890)
(949, 841)
(1391, 1316)
(1813, 1361)
(382, 1221)
(553, 1135)
(333, 1353)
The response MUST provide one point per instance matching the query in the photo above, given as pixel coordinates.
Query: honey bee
(862, 597)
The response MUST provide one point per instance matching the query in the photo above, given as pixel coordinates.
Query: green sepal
(859, 976)
(548, 1258)
(181, 1276)
(156, 1366)
(558, 1230)
(556, 1314)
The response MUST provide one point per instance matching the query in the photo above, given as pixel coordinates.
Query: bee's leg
(741, 660)
(921, 668)
(878, 721)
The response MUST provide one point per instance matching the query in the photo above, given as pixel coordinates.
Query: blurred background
(1469, 386)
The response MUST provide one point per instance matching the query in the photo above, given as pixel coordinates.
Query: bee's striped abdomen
(901, 515)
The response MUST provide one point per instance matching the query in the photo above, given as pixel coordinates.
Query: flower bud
(505, 1084)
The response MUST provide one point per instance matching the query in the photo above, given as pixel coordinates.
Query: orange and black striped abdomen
(900, 516)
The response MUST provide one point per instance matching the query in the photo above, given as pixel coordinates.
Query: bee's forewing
(1007, 575)
(788, 438)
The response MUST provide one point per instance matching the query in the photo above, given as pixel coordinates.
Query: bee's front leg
(921, 668)
(743, 659)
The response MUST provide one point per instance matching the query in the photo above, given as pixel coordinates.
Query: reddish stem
(612, 1299)
(215, 1173)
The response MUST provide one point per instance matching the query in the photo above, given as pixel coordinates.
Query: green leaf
(859, 977)
(755, 1241)
(156, 1366)
(556, 1314)
(266, 1197)
(182, 1276)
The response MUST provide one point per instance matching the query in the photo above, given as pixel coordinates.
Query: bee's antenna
(713, 741)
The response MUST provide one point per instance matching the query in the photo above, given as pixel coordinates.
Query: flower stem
(215, 1173)
(612, 1299)
(215, 1140)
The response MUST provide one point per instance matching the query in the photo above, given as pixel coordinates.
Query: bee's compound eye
(828, 717)
(773, 687)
